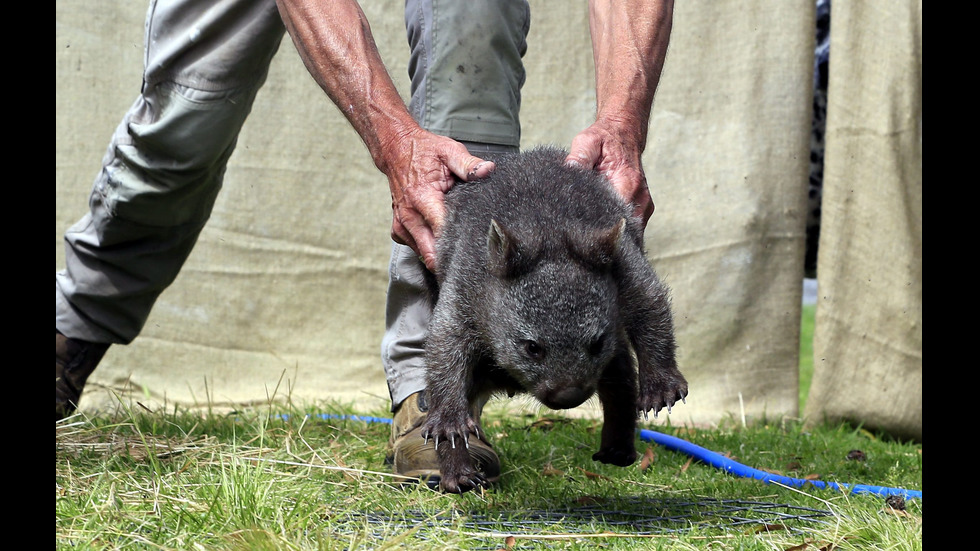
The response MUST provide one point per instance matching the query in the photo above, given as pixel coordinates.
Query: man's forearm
(335, 42)
(629, 42)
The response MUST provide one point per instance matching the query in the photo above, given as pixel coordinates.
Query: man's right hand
(421, 168)
(338, 49)
(614, 151)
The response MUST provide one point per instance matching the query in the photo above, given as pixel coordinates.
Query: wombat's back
(535, 195)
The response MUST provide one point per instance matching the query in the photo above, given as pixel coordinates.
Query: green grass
(254, 480)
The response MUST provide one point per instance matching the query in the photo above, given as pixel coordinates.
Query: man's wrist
(391, 137)
(627, 129)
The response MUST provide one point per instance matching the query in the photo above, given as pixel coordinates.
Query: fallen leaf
(689, 432)
(593, 476)
(732, 456)
(812, 476)
(647, 460)
(549, 470)
(897, 512)
(544, 424)
(686, 465)
(548, 423)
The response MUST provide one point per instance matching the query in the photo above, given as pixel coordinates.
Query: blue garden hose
(367, 419)
(711, 458)
(721, 462)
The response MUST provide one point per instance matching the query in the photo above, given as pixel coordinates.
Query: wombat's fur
(543, 287)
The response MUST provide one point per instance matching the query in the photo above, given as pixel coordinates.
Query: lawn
(305, 477)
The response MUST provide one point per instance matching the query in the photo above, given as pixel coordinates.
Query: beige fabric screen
(868, 335)
(284, 295)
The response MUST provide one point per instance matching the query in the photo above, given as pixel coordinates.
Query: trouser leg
(165, 163)
(467, 71)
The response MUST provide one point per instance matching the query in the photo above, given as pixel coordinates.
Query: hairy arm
(629, 45)
(335, 42)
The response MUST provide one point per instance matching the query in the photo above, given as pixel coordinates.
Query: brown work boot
(412, 456)
(74, 361)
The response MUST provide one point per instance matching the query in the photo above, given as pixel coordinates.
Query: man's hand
(338, 49)
(423, 168)
(629, 46)
(617, 157)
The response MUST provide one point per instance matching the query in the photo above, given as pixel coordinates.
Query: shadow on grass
(622, 515)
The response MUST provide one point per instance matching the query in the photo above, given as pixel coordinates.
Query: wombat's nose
(567, 397)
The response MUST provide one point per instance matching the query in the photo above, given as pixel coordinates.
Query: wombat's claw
(452, 440)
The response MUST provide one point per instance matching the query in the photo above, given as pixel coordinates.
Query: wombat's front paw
(662, 391)
(451, 438)
(621, 456)
(451, 433)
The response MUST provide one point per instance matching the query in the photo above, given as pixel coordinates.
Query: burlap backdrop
(868, 335)
(284, 295)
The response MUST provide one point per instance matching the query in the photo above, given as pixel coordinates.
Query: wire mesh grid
(638, 516)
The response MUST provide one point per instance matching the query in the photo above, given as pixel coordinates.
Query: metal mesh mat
(638, 516)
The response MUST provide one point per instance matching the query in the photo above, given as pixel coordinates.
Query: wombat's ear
(599, 249)
(503, 255)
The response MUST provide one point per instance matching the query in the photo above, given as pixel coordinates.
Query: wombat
(543, 287)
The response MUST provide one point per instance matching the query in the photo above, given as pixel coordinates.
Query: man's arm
(629, 45)
(335, 42)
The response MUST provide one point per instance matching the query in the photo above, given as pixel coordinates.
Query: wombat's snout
(566, 397)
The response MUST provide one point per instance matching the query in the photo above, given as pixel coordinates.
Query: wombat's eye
(532, 350)
(595, 347)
